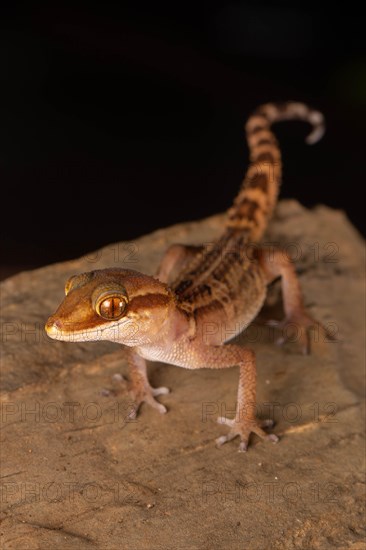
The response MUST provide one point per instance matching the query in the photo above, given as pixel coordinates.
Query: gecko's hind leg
(297, 322)
(176, 257)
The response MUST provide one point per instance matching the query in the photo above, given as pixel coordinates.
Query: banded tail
(254, 204)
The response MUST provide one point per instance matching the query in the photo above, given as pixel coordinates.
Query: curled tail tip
(295, 110)
(315, 118)
(315, 135)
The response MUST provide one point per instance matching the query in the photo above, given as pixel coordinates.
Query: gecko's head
(118, 305)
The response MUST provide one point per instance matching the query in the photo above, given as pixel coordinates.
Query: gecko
(201, 297)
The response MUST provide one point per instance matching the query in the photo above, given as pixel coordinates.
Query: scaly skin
(200, 298)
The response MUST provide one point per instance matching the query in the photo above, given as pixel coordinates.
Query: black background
(118, 121)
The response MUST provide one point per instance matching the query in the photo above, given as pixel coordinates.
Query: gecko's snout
(53, 327)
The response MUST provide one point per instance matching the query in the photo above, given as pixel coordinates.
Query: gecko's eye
(111, 305)
(111, 308)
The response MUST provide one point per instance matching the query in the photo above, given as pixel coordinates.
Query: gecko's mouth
(68, 333)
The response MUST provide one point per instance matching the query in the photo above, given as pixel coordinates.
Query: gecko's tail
(257, 197)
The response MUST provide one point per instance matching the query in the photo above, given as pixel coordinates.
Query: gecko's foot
(147, 395)
(243, 430)
(120, 386)
(140, 395)
(297, 328)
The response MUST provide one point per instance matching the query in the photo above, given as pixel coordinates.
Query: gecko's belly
(246, 312)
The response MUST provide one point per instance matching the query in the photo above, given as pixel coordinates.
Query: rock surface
(76, 474)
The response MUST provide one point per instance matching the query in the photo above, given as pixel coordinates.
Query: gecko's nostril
(51, 321)
(52, 326)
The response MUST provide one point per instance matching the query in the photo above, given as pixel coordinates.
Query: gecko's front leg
(245, 422)
(139, 386)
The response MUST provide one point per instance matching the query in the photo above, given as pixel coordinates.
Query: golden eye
(109, 300)
(111, 307)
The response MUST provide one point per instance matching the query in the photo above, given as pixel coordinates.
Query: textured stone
(75, 474)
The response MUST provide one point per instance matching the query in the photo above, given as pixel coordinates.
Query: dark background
(118, 121)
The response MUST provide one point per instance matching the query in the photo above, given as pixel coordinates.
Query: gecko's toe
(225, 438)
(226, 421)
(160, 391)
(243, 429)
(267, 423)
(135, 407)
(280, 341)
(117, 377)
(243, 447)
(120, 383)
(120, 386)
(272, 322)
(147, 395)
(273, 438)
(161, 408)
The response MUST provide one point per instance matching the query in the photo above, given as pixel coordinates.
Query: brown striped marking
(148, 302)
(260, 181)
(248, 208)
(266, 156)
(199, 267)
